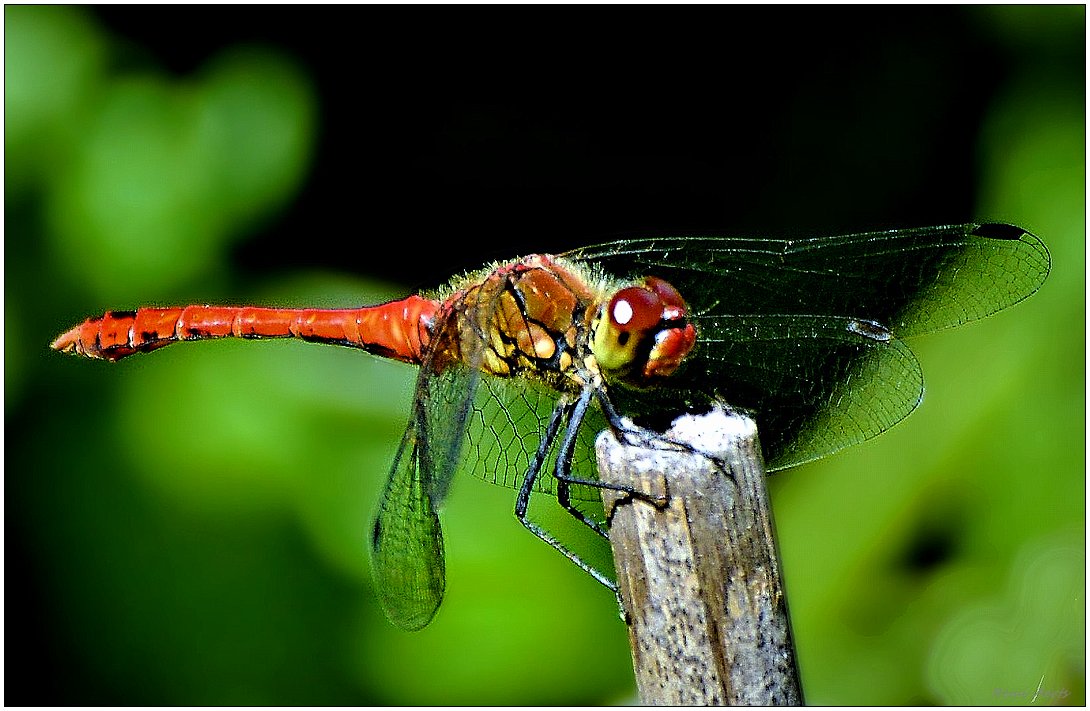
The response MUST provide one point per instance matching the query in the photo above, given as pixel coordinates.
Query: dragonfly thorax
(643, 333)
(529, 318)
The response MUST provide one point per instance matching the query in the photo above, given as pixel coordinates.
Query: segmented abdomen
(397, 329)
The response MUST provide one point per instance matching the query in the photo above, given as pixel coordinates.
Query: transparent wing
(407, 541)
(817, 384)
(507, 421)
(804, 333)
(814, 384)
(910, 281)
(446, 400)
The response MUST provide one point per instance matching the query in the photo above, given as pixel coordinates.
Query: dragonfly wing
(910, 281)
(804, 332)
(447, 401)
(814, 384)
(407, 541)
(507, 420)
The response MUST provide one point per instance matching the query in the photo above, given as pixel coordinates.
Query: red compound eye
(635, 309)
(672, 305)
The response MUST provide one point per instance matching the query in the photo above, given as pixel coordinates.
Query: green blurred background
(188, 528)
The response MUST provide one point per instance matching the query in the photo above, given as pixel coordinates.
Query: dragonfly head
(643, 333)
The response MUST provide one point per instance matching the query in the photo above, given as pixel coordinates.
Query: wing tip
(1014, 233)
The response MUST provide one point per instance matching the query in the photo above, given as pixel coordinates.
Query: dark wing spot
(120, 314)
(998, 230)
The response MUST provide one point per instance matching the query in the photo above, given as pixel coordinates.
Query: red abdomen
(397, 329)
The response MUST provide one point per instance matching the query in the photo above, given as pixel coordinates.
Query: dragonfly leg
(522, 504)
(562, 472)
(566, 552)
(563, 496)
(544, 535)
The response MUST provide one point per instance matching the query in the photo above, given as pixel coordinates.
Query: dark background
(448, 137)
(486, 132)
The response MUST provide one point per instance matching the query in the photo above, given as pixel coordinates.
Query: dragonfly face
(643, 333)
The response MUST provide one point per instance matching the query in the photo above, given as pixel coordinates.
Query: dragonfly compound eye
(643, 333)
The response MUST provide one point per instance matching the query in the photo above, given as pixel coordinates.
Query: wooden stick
(699, 574)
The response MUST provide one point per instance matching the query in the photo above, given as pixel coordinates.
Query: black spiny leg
(522, 504)
(562, 472)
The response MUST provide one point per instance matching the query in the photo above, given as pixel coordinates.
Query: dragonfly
(522, 362)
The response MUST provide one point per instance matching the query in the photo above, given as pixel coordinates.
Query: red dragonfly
(804, 334)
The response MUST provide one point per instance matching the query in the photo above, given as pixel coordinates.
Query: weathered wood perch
(700, 575)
